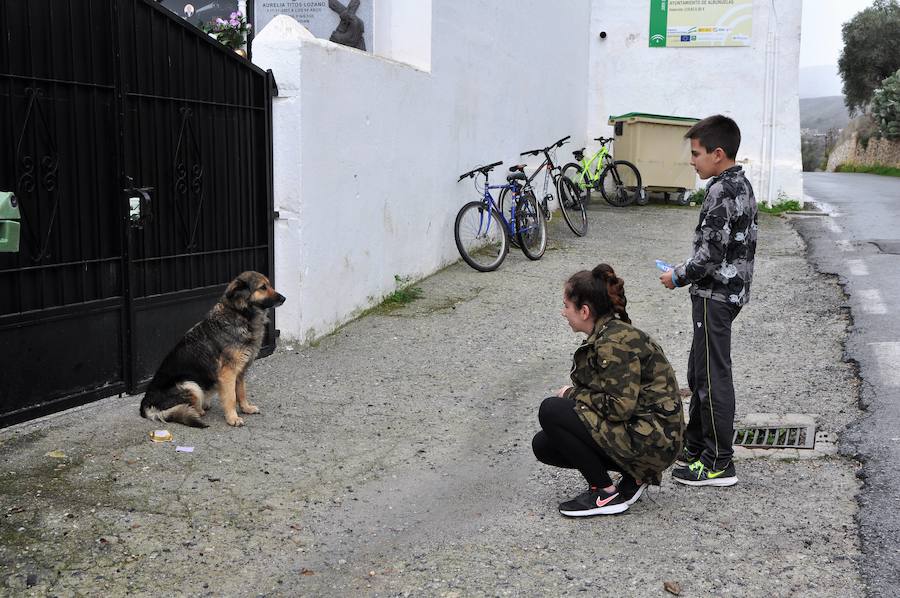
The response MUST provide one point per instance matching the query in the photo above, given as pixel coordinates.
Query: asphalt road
(860, 243)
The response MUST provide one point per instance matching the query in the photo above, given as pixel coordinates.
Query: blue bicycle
(482, 233)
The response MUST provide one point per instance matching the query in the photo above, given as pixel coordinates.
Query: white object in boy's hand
(663, 265)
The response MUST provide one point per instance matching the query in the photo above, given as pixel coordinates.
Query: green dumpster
(655, 143)
(9, 225)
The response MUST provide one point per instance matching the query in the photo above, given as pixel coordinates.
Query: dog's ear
(238, 294)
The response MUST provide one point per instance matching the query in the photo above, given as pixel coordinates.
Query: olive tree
(871, 51)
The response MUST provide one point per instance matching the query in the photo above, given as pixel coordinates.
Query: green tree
(886, 107)
(871, 51)
(812, 152)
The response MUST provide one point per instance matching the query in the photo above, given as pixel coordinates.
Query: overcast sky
(821, 41)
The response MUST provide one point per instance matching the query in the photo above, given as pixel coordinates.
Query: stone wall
(880, 152)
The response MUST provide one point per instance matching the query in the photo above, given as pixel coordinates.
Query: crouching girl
(623, 410)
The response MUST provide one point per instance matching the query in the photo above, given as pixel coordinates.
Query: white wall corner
(278, 47)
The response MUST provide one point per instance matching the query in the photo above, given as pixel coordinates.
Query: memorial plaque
(199, 12)
(347, 22)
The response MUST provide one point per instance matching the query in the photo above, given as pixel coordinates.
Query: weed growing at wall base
(789, 205)
(697, 197)
(404, 294)
(872, 169)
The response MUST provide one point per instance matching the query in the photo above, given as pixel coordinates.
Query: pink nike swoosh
(602, 502)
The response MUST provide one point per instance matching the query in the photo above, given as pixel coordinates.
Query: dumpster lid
(643, 116)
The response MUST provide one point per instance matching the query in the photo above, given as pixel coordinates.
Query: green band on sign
(659, 10)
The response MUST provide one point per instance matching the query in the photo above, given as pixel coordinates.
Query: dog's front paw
(234, 420)
(248, 408)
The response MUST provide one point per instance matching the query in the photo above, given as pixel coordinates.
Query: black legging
(566, 442)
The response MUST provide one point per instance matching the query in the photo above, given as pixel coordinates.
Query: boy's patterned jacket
(626, 394)
(724, 241)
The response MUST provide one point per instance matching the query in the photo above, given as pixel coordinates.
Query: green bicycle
(618, 181)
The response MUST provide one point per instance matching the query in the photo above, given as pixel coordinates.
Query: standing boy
(719, 274)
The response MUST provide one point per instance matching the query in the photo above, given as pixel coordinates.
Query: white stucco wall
(626, 75)
(367, 150)
(403, 31)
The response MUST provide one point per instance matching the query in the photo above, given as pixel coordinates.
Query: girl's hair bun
(606, 293)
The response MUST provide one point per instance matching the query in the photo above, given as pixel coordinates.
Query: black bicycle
(570, 201)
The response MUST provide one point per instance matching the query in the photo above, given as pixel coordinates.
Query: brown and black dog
(213, 357)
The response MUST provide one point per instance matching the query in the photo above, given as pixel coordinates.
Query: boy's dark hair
(717, 131)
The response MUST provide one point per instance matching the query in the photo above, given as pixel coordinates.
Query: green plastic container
(9, 225)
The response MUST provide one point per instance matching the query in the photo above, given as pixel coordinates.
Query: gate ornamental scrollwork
(37, 174)
(188, 178)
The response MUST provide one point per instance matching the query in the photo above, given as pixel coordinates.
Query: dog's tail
(182, 413)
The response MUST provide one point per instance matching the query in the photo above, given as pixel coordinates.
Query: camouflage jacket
(626, 393)
(721, 267)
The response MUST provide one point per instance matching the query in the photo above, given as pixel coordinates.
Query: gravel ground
(393, 457)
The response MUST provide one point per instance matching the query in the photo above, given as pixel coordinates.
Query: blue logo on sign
(685, 38)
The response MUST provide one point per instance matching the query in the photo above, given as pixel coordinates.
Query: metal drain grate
(801, 437)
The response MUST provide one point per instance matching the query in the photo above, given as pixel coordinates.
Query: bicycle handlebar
(603, 140)
(535, 152)
(482, 169)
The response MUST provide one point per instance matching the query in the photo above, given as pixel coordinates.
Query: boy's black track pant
(710, 428)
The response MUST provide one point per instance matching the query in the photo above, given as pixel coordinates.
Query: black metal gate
(139, 150)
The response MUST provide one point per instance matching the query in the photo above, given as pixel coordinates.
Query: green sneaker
(686, 458)
(697, 474)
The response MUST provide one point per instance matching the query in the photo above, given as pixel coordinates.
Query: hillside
(819, 81)
(823, 113)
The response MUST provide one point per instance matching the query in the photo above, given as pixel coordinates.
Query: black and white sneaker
(686, 458)
(629, 490)
(697, 474)
(594, 501)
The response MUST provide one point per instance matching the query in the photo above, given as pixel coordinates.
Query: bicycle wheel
(620, 183)
(573, 211)
(573, 172)
(505, 205)
(481, 236)
(531, 228)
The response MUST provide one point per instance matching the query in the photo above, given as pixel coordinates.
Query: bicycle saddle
(516, 176)
(515, 167)
(579, 154)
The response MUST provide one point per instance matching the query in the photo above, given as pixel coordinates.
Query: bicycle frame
(590, 177)
(488, 200)
(549, 172)
(551, 169)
